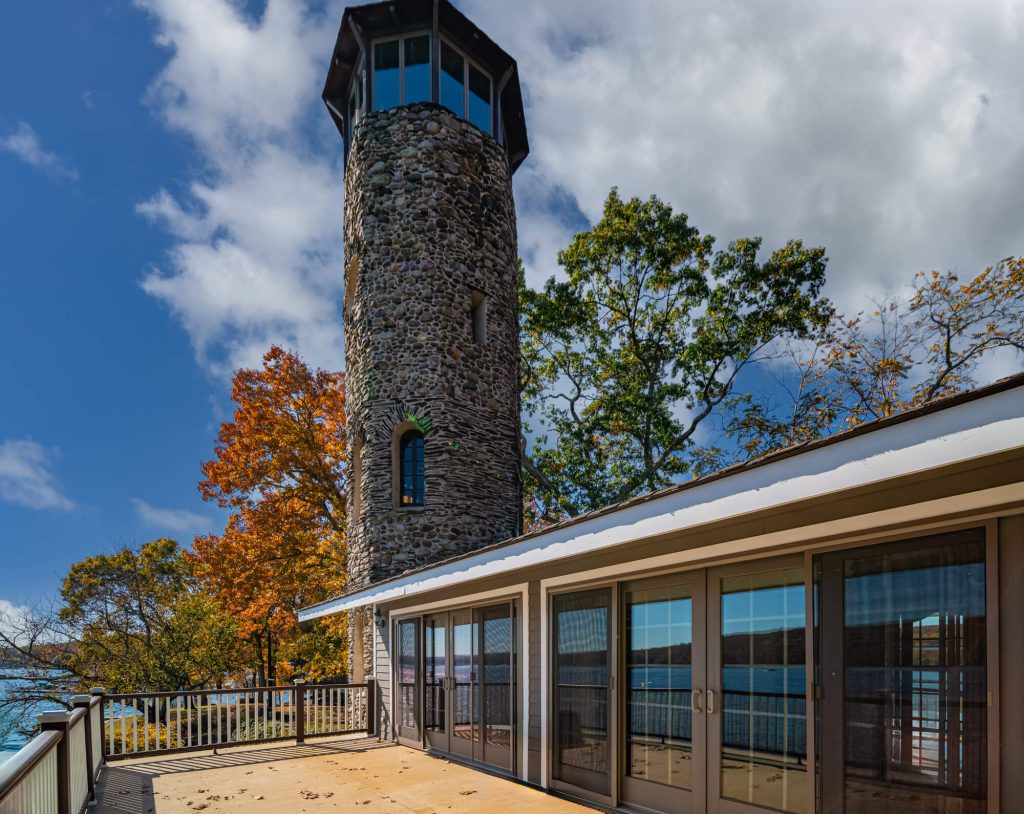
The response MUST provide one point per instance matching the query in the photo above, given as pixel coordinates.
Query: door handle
(695, 701)
(711, 702)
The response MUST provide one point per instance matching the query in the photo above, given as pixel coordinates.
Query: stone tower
(431, 114)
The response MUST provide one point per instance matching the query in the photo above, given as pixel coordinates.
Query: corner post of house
(99, 692)
(371, 707)
(85, 702)
(300, 710)
(60, 721)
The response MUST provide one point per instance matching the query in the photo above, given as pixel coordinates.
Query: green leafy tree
(629, 355)
(132, 620)
(140, 620)
(903, 353)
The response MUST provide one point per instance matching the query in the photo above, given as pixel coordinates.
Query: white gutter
(984, 426)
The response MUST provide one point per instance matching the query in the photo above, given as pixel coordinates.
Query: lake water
(13, 742)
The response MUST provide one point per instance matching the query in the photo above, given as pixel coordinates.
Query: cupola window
(479, 100)
(387, 79)
(416, 69)
(355, 100)
(401, 71)
(411, 469)
(465, 88)
(453, 72)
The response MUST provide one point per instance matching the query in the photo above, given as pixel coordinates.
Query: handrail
(222, 691)
(24, 761)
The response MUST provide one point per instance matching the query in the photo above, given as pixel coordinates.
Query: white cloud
(26, 477)
(177, 521)
(24, 143)
(888, 135)
(13, 618)
(257, 257)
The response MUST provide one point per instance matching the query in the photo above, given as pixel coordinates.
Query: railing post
(99, 692)
(371, 707)
(300, 710)
(59, 721)
(85, 701)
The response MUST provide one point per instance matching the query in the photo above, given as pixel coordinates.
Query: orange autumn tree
(280, 465)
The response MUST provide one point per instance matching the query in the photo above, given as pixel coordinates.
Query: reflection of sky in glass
(957, 590)
(762, 610)
(479, 99)
(452, 90)
(435, 656)
(385, 75)
(583, 631)
(417, 69)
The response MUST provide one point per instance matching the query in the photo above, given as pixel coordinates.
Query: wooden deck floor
(353, 774)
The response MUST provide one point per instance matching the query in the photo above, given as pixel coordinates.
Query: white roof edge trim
(976, 428)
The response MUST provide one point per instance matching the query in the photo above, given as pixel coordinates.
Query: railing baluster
(243, 714)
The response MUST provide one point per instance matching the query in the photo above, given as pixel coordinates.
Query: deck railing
(139, 724)
(56, 772)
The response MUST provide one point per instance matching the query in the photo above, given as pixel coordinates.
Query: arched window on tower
(410, 469)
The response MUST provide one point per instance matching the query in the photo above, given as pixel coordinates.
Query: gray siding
(382, 654)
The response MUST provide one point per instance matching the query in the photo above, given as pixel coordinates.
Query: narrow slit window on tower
(478, 314)
(411, 466)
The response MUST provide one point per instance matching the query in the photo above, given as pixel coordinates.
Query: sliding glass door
(497, 684)
(467, 679)
(581, 674)
(712, 705)
(756, 703)
(435, 681)
(464, 703)
(663, 692)
(904, 673)
(407, 696)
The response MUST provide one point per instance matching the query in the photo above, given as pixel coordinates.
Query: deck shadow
(202, 761)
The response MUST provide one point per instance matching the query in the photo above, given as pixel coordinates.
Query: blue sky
(171, 198)
(102, 397)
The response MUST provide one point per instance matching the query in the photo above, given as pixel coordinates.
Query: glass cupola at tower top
(410, 51)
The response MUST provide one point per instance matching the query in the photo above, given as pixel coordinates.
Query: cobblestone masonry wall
(429, 220)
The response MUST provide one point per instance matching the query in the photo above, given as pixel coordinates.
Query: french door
(468, 679)
(710, 713)
(905, 709)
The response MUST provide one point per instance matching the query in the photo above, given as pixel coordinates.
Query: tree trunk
(271, 667)
(261, 675)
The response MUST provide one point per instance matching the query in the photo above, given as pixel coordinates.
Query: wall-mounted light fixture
(378, 617)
